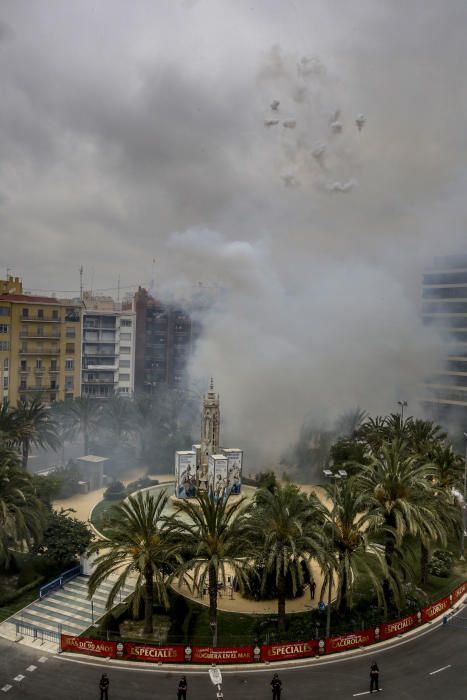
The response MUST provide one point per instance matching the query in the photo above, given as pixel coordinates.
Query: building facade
(163, 343)
(40, 340)
(444, 307)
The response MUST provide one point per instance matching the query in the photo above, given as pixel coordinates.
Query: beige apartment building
(40, 345)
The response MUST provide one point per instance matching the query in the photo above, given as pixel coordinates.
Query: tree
(65, 537)
(138, 539)
(22, 515)
(83, 416)
(215, 535)
(33, 426)
(291, 528)
(118, 416)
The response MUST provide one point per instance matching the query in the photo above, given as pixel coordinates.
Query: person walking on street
(104, 686)
(276, 685)
(182, 688)
(374, 677)
(312, 589)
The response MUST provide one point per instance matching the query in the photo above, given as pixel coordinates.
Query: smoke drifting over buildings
(148, 139)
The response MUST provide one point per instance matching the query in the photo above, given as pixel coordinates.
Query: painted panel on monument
(234, 470)
(185, 474)
(218, 475)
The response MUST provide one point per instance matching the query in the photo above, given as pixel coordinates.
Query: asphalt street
(427, 667)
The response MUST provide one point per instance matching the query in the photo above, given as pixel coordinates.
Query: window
(38, 382)
(5, 382)
(40, 330)
(53, 365)
(125, 322)
(22, 398)
(4, 311)
(69, 364)
(22, 385)
(68, 396)
(39, 346)
(55, 314)
(23, 366)
(38, 364)
(24, 347)
(123, 377)
(123, 336)
(70, 333)
(125, 363)
(125, 350)
(53, 384)
(70, 348)
(6, 364)
(53, 397)
(69, 384)
(3, 328)
(40, 313)
(25, 313)
(4, 345)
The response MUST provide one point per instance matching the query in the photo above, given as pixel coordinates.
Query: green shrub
(441, 563)
(142, 483)
(11, 596)
(115, 491)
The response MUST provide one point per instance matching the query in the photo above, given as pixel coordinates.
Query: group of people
(276, 684)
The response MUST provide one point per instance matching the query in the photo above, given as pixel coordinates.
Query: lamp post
(464, 505)
(340, 474)
(402, 404)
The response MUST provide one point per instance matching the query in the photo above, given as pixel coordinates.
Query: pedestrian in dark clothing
(182, 688)
(104, 686)
(276, 685)
(374, 677)
(312, 590)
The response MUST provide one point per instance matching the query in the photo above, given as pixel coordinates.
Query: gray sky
(133, 130)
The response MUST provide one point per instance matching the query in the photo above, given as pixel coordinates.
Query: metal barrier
(24, 628)
(59, 581)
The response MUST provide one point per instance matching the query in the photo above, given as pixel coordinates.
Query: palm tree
(83, 418)
(357, 554)
(138, 541)
(118, 416)
(398, 493)
(291, 527)
(22, 515)
(34, 426)
(216, 535)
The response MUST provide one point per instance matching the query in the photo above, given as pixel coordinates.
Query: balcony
(101, 368)
(34, 319)
(39, 389)
(40, 352)
(89, 382)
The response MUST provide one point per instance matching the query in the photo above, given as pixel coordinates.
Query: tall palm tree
(22, 515)
(138, 541)
(216, 535)
(83, 418)
(118, 416)
(34, 426)
(357, 553)
(398, 493)
(291, 527)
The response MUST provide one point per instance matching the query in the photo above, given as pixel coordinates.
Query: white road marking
(31, 668)
(438, 670)
(42, 659)
(6, 688)
(18, 678)
(367, 692)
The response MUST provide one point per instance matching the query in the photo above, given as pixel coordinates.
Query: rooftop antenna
(118, 289)
(81, 282)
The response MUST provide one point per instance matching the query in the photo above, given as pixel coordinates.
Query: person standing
(374, 677)
(182, 688)
(312, 589)
(276, 685)
(104, 686)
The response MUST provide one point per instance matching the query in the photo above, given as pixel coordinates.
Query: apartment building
(40, 341)
(108, 348)
(163, 343)
(444, 306)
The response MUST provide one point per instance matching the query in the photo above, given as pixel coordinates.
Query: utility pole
(81, 283)
(402, 404)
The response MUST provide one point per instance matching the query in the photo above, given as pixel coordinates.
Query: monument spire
(210, 424)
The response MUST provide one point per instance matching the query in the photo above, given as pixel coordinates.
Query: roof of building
(29, 298)
(94, 459)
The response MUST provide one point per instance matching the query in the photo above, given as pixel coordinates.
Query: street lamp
(402, 404)
(340, 474)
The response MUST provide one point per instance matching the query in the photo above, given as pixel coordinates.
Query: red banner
(289, 650)
(222, 655)
(391, 629)
(83, 645)
(459, 592)
(349, 641)
(150, 652)
(435, 609)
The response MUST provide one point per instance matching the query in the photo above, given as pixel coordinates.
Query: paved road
(428, 667)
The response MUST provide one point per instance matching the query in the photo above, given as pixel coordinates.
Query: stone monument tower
(210, 423)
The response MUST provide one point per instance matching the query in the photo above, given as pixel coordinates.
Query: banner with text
(459, 592)
(222, 655)
(391, 629)
(435, 609)
(150, 652)
(289, 650)
(83, 645)
(353, 640)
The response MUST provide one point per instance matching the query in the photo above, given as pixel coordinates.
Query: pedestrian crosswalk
(68, 607)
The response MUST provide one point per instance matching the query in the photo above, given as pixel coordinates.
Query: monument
(207, 466)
